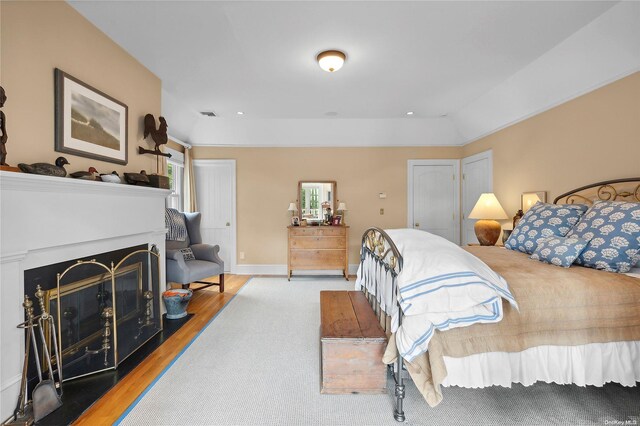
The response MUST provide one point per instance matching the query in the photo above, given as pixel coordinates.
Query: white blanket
(441, 286)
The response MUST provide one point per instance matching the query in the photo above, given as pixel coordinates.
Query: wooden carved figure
(3, 129)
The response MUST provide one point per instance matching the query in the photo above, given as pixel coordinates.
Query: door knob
(228, 224)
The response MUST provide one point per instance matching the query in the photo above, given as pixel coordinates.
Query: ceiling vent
(208, 113)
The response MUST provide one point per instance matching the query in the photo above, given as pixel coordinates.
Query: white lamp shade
(488, 207)
(292, 207)
(342, 207)
(331, 60)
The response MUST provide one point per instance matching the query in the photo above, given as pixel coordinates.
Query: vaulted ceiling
(436, 59)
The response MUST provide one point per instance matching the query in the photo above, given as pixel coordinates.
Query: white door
(216, 198)
(433, 197)
(477, 177)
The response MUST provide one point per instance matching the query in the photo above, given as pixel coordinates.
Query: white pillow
(439, 276)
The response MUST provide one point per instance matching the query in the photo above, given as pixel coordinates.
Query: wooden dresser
(318, 248)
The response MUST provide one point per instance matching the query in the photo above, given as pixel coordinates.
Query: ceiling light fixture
(410, 113)
(331, 60)
(240, 113)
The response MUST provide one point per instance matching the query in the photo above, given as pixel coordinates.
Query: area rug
(257, 363)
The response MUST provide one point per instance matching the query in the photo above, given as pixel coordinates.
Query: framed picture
(528, 199)
(336, 220)
(295, 221)
(89, 123)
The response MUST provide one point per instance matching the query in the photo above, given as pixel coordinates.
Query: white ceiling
(433, 58)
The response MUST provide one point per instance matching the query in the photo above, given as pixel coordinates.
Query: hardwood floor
(205, 304)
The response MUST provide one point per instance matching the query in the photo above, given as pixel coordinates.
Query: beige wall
(267, 181)
(37, 37)
(589, 139)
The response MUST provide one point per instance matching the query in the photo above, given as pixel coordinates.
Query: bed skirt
(592, 364)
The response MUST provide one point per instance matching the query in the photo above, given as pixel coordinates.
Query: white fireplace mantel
(45, 220)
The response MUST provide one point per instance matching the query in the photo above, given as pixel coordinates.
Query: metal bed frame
(609, 190)
(379, 246)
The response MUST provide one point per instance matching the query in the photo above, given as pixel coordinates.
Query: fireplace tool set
(46, 395)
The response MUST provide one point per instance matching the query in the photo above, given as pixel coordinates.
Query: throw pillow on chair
(187, 253)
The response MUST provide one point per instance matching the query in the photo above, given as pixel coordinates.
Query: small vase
(176, 302)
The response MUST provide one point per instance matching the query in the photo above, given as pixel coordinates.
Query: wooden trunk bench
(352, 345)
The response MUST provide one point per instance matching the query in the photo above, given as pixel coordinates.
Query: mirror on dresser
(314, 197)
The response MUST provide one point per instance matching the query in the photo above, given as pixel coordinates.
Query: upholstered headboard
(611, 190)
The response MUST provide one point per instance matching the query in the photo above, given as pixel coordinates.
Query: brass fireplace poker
(23, 414)
(46, 397)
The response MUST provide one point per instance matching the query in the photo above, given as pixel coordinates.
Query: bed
(546, 323)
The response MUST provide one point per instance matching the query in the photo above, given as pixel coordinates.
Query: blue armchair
(207, 263)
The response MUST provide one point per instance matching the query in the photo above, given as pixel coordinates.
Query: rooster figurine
(159, 136)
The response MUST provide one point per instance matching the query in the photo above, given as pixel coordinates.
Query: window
(175, 172)
(314, 199)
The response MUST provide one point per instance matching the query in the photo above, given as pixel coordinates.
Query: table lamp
(342, 208)
(487, 209)
(292, 208)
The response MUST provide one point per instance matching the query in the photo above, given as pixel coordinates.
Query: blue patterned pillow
(560, 251)
(543, 221)
(612, 229)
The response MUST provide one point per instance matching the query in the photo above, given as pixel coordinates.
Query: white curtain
(189, 184)
(161, 163)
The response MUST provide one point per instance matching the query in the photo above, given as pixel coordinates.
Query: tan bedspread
(558, 306)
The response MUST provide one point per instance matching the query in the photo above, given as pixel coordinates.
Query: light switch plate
(382, 195)
(381, 211)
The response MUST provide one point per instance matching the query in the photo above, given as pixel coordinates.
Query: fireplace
(105, 307)
(47, 221)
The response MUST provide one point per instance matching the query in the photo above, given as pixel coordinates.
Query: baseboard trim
(249, 269)
(353, 268)
(279, 269)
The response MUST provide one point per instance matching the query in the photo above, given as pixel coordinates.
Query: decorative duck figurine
(91, 174)
(114, 177)
(137, 178)
(46, 168)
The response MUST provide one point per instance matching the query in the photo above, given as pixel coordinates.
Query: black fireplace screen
(105, 312)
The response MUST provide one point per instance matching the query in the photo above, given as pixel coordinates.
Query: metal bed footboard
(379, 250)
(383, 262)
